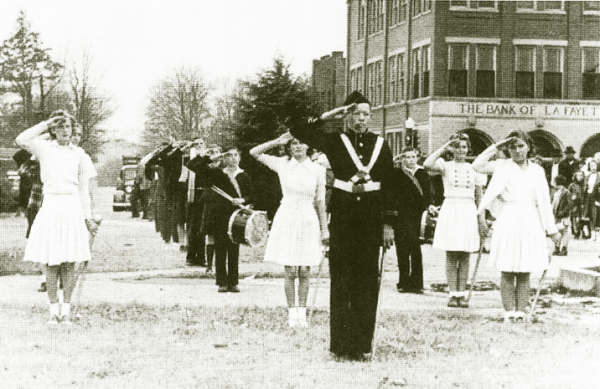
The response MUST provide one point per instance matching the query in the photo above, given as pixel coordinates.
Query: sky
(135, 43)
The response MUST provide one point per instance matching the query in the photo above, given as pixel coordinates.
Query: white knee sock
(65, 309)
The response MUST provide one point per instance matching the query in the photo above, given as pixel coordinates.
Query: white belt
(356, 188)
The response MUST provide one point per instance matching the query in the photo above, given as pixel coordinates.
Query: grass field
(132, 346)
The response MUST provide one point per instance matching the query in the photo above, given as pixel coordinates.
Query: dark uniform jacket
(410, 201)
(217, 209)
(379, 203)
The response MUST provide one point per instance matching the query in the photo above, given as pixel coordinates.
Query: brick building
(328, 81)
(484, 67)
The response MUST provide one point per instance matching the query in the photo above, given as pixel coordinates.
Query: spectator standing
(561, 208)
(576, 189)
(569, 165)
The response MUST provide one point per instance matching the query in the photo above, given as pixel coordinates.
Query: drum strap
(363, 171)
(414, 180)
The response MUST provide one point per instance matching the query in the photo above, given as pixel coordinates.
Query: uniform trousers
(410, 257)
(227, 255)
(355, 238)
(195, 250)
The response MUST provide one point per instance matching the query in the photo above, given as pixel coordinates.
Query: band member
(362, 216)
(518, 197)
(458, 227)
(59, 235)
(218, 210)
(300, 224)
(196, 250)
(413, 200)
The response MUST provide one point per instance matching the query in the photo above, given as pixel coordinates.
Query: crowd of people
(341, 193)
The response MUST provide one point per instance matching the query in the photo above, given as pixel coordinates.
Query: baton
(81, 276)
(378, 312)
(314, 299)
(475, 271)
(539, 289)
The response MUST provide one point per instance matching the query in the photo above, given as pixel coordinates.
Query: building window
(401, 74)
(380, 15)
(416, 66)
(403, 10)
(426, 69)
(395, 14)
(591, 7)
(379, 75)
(458, 56)
(525, 71)
(420, 7)
(541, 6)
(375, 83)
(361, 20)
(590, 87)
(553, 66)
(467, 5)
(393, 77)
(485, 80)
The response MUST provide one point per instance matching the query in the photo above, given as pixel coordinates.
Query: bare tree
(178, 108)
(91, 105)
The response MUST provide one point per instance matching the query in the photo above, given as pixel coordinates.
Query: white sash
(357, 161)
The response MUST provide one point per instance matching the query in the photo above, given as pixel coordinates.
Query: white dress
(457, 228)
(59, 233)
(519, 241)
(295, 236)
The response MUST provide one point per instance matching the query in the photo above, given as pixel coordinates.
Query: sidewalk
(123, 288)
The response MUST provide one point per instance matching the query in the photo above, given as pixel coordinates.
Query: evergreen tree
(27, 69)
(264, 109)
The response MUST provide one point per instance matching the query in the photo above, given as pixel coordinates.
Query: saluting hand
(505, 143)
(285, 138)
(338, 113)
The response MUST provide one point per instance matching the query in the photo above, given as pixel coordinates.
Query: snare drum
(249, 227)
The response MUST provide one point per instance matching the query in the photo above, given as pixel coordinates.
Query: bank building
(432, 68)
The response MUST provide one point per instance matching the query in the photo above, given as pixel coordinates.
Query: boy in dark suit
(218, 210)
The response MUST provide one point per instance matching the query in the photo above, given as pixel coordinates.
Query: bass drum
(248, 227)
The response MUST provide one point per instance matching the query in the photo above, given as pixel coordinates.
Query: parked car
(122, 196)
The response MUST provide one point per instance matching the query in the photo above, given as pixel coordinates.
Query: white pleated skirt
(58, 233)
(295, 236)
(457, 228)
(519, 242)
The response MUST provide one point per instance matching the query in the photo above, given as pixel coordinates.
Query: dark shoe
(564, 252)
(233, 289)
(401, 289)
(556, 251)
(416, 291)
(453, 302)
(183, 248)
(222, 289)
(42, 288)
(462, 302)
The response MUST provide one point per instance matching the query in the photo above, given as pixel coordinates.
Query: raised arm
(482, 164)
(27, 139)
(430, 162)
(261, 149)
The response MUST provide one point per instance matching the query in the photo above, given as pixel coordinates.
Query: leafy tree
(27, 69)
(263, 110)
(178, 108)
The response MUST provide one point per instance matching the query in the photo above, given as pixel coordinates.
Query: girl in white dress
(458, 228)
(59, 235)
(519, 198)
(300, 225)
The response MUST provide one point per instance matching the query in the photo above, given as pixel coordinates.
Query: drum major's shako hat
(356, 98)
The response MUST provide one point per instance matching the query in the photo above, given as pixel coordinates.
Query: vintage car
(122, 196)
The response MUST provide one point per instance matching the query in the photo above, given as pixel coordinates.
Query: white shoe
(301, 311)
(293, 317)
(509, 316)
